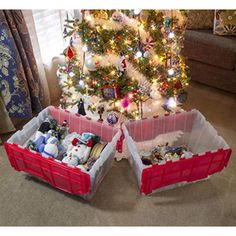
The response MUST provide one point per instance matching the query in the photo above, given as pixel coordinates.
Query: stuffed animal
(49, 124)
(50, 147)
(78, 154)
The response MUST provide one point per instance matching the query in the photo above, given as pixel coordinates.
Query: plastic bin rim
(162, 115)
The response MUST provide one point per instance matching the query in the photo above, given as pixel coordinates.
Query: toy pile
(76, 150)
(163, 153)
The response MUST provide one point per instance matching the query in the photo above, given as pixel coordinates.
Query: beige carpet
(25, 201)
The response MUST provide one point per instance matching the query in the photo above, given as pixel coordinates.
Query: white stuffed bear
(79, 154)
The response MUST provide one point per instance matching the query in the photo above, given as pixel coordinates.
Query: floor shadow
(119, 186)
(47, 185)
(188, 194)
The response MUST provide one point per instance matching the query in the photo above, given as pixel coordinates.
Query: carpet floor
(25, 201)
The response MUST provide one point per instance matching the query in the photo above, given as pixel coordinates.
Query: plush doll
(78, 154)
(40, 138)
(50, 147)
(73, 144)
(49, 124)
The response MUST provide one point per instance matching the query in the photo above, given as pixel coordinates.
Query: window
(49, 30)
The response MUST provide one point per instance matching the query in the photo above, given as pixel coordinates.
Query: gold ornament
(100, 15)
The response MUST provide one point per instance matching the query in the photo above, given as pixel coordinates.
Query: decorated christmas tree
(128, 61)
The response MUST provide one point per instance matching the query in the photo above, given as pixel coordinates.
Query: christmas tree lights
(127, 59)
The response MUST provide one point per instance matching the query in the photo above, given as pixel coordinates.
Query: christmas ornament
(61, 71)
(81, 83)
(167, 22)
(101, 14)
(117, 16)
(138, 54)
(65, 31)
(171, 72)
(148, 44)
(101, 110)
(178, 85)
(94, 37)
(182, 97)
(70, 53)
(122, 64)
(81, 109)
(144, 88)
(112, 118)
(125, 102)
(91, 62)
(110, 92)
(146, 54)
(71, 42)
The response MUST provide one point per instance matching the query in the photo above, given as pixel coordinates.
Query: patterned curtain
(20, 87)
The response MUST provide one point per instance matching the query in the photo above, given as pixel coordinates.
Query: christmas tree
(128, 60)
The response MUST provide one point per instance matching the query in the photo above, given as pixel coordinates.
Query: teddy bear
(78, 153)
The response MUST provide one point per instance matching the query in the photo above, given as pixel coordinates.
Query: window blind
(49, 30)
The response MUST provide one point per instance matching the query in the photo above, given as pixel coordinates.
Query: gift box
(210, 153)
(60, 175)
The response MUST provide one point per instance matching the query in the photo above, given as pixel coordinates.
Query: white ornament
(138, 54)
(91, 63)
(71, 74)
(171, 72)
(81, 83)
(146, 54)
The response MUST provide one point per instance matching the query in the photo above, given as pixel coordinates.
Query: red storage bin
(69, 179)
(210, 152)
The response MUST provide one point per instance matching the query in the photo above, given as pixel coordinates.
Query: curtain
(29, 19)
(20, 89)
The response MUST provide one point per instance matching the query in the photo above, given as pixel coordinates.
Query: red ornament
(97, 64)
(70, 53)
(178, 85)
(149, 43)
(110, 92)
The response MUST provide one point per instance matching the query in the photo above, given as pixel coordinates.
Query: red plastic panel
(59, 175)
(192, 169)
(70, 180)
(81, 124)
